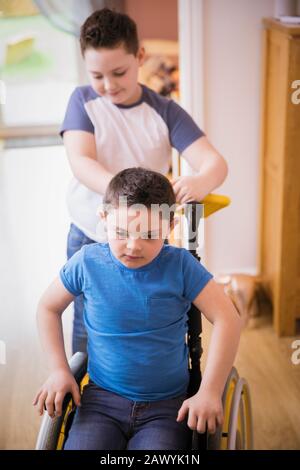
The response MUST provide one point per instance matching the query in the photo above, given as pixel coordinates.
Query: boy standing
(116, 123)
(137, 292)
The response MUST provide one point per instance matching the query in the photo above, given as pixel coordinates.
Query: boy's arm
(217, 307)
(81, 151)
(206, 405)
(50, 308)
(210, 167)
(52, 304)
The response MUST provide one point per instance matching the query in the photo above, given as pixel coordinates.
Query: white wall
(232, 71)
(33, 236)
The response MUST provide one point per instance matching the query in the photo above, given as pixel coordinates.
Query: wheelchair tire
(218, 440)
(50, 430)
(240, 435)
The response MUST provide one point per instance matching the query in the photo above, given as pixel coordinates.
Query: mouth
(114, 93)
(132, 258)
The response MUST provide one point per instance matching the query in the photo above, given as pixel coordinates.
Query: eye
(97, 77)
(121, 235)
(119, 74)
(153, 235)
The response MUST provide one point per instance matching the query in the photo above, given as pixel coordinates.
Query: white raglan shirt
(141, 134)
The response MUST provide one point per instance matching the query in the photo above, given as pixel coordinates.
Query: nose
(133, 244)
(109, 84)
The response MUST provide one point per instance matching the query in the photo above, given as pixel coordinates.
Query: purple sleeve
(76, 117)
(182, 128)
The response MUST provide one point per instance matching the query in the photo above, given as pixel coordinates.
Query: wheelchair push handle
(193, 212)
(197, 210)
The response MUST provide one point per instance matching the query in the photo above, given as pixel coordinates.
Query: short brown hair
(110, 29)
(140, 186)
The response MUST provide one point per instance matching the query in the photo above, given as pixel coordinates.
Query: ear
(141, 54)
(102, 214)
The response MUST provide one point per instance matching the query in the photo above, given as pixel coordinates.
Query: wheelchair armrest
(78, 365)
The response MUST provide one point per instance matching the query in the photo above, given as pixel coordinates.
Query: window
(38, 66)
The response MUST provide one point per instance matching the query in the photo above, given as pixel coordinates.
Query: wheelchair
(236, 433)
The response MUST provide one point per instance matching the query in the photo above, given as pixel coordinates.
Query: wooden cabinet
(280, 173)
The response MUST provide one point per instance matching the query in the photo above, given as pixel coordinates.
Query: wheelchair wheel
(218, 441)
(68, 418)
(237, 431)
(240, 434)
(53, 431)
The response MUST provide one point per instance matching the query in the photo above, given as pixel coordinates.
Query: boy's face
(113, 73)
(135, 236)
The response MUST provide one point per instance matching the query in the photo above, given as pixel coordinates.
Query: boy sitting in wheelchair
(137, 292)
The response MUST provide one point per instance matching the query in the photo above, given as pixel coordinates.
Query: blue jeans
(107, 421)
(76, 239)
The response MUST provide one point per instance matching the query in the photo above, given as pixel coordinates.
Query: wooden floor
(34, 226)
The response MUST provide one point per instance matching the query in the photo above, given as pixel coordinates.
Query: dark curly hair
(140, 186)
(110, 29)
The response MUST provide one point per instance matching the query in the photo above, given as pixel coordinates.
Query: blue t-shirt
(136, 319)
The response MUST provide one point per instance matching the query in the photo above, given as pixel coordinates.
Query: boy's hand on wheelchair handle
(51, 395)
(203, 409)
(187, 188)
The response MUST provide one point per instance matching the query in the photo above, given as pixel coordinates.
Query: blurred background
(210, 56)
